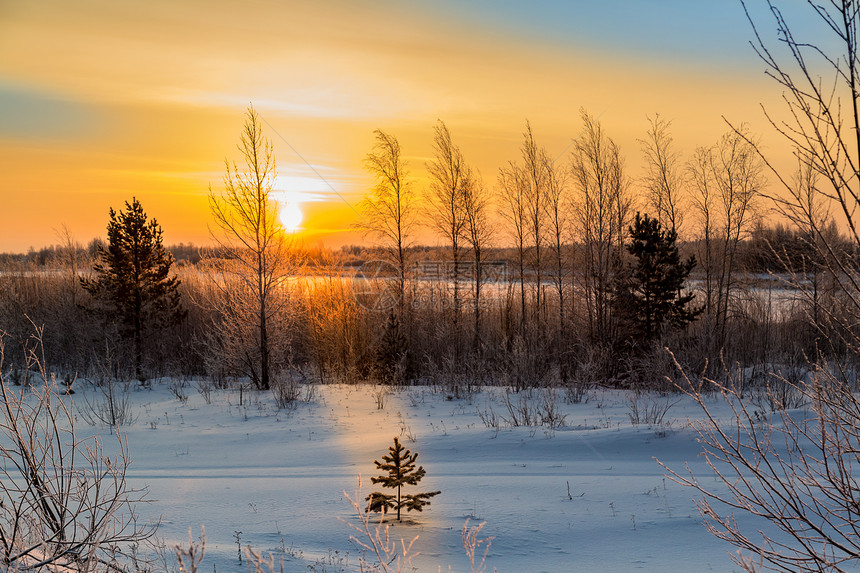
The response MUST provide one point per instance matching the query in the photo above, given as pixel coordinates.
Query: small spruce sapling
(399, 464)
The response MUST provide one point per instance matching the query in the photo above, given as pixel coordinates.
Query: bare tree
(824, 138)
(739, 177)
(66, 338)
(806, 207)
(251, 262)
(389, 208)
(535, 162)
(794, 472)
(703, 197)
(65, 505)
(479, 233)
(557, 206)
(449, 176)
(524, 188)
(820, 79)
(664, 179)
(728, 179)
(514, 211)
(72, 258)
(798, 473)
(602, 205)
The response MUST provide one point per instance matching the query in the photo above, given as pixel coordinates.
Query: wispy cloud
(32, 114)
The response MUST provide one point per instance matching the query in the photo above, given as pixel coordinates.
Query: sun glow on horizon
(144, 104)
(290, 192)
(291, 216)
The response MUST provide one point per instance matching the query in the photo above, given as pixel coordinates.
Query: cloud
(31, 114)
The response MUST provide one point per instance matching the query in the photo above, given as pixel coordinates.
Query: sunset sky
(101, 101)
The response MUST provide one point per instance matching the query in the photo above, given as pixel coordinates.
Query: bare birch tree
(739, 178)
(820, 79)
(251, 261)
(449, 177)
(73, 259)
(702, 198)
(535, 162)
(602, 206)
(524, 186)
(728, 179)
(514, 211)
(389, 210)
(479, 233)
(664, 178)
(557, 207)
(807, 209)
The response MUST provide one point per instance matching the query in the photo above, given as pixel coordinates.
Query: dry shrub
(66, 504)
(534, 407)
(286, 390)
(649, 408)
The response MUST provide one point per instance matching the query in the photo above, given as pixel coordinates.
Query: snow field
(278, 477)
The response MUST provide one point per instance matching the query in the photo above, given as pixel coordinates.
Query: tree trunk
(477, 339)
(138, 337)
(264, 350)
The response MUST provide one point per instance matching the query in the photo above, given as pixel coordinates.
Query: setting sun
(290, 213)
(290, 192)
(149, 84)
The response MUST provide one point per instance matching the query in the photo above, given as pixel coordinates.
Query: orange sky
(101, 100)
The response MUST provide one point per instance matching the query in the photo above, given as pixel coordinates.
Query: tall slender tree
(478, 235)
(389, 209)
(557, 212)
(664, 181)
(133, 279)
(524, 186)
(514, 210)
(449, 177)
(534, 169)
(603, 205)
(252, 259)
(728, 180)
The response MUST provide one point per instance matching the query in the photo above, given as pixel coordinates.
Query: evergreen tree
(651, 294)
(133, 279)
(399, 464)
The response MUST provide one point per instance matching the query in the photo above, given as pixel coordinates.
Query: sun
(291, 192)
(290, 214)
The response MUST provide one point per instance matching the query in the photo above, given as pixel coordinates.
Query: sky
(102, 101)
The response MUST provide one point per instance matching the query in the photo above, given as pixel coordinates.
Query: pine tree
(651, 295)
(133, 279)
(399, 464)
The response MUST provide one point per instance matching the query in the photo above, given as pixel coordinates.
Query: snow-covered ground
(587, 497)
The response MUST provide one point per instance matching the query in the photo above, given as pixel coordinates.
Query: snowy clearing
(586, 497)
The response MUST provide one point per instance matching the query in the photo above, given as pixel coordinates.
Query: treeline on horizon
(560, 316)
(775, 248)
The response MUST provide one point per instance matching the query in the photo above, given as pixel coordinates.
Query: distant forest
(332, 337)
(762, 253)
